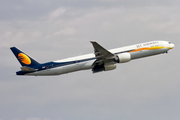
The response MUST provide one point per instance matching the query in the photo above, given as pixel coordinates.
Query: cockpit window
(169, 42)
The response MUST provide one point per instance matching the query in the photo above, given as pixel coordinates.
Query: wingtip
(93, 41)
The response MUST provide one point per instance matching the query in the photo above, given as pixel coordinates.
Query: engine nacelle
(109, 67)
(123, 57)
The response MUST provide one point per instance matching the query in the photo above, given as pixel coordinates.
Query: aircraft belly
(62, 69)
(42, 73)
(87, 65)
(72, 68)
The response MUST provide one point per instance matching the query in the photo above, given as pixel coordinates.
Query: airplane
(101, 60)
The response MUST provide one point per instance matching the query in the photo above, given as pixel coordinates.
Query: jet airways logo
(24, 58)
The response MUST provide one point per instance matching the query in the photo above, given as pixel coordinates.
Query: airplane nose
(172, 45)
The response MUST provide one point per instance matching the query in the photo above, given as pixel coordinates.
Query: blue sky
(53, 29)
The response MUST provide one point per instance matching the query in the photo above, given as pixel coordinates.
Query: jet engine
(109, 67)
(123, 57)
(100, 68)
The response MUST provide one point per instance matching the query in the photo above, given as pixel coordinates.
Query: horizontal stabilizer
(28, 69)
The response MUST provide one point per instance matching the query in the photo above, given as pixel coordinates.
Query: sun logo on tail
(24, 58)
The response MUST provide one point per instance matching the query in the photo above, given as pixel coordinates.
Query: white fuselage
(84, 62)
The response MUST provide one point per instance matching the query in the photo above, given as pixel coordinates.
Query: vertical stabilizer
(23, 58)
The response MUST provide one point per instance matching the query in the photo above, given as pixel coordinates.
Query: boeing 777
(101, 60)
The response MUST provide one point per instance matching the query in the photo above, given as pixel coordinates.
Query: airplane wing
(101, 52)
(103, 56)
